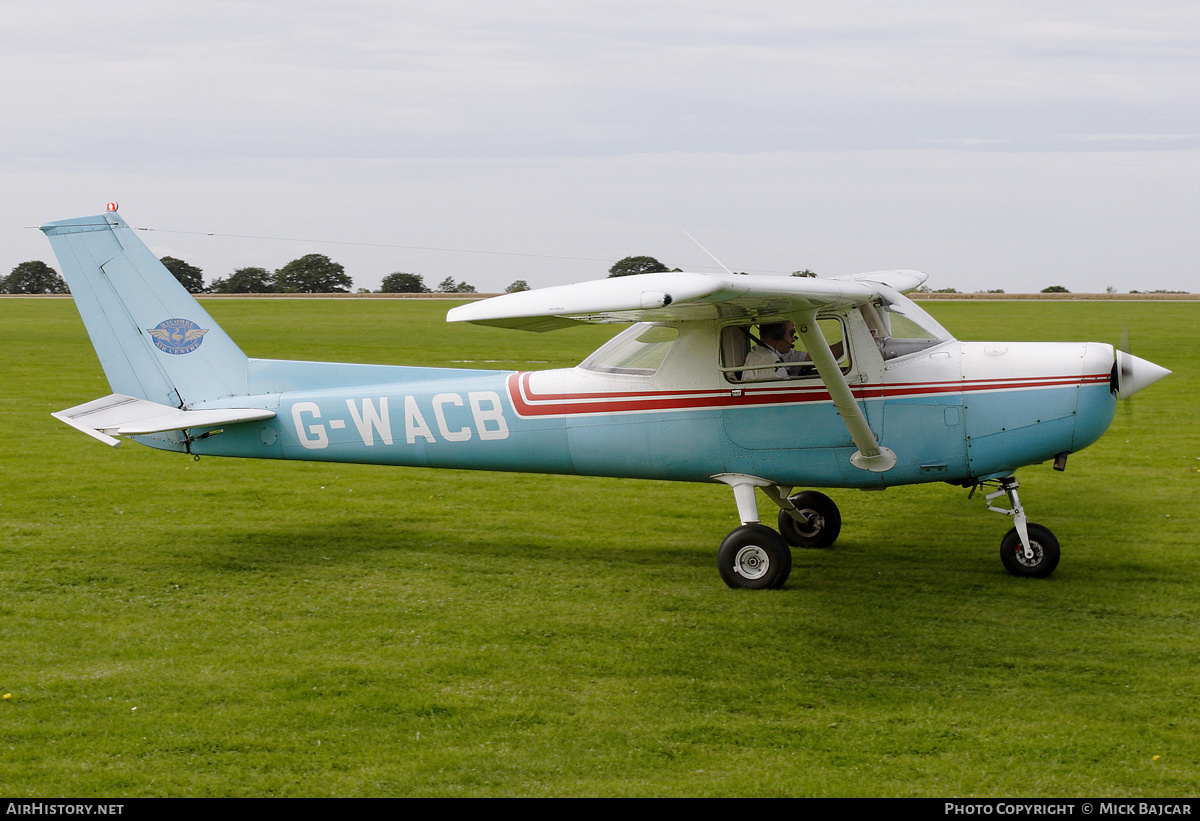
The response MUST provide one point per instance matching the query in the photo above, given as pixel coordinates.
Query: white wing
(676, 296)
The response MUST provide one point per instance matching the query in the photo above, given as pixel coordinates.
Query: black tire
(824, 521)
(1045, 553)
(754, 557)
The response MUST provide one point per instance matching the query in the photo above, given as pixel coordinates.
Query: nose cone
(1132, 374)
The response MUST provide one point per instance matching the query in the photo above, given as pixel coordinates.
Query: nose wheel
(1042, 544)
(1028, 550)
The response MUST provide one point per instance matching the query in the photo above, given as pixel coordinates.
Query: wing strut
(870, 455)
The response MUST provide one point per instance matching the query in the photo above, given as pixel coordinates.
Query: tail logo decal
(177, 336)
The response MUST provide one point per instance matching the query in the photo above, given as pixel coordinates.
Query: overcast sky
(1004, 144)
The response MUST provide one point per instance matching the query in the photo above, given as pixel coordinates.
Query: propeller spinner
(1131, 374)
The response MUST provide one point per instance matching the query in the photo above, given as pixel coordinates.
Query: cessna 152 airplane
(701, 389)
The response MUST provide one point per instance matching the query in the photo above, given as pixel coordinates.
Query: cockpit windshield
(900, 326)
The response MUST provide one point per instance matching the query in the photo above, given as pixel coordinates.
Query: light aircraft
(881, 394)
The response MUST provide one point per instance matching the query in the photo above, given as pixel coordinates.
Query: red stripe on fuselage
(527, 403)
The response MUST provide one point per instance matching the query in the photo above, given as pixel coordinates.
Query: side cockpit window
(773, 351)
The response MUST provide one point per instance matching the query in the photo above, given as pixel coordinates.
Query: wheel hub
(751, 562)
(1029, 561)
(813, 523)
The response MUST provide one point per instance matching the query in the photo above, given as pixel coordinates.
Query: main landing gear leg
(755, 556)
(752, 556)
(1029, 549)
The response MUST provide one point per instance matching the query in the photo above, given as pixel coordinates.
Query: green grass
(241, 628)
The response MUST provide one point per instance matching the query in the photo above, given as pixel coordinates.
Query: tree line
(318, 274)
(310, 274)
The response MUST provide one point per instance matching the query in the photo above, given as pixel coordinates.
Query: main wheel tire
(823, 521)
(754, 557)
(1045, 553)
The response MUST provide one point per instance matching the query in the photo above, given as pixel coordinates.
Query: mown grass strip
(230, 627)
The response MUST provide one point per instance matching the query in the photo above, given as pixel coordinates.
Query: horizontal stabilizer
(120, 415)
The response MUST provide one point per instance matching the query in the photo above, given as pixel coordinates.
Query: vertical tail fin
(153, 339)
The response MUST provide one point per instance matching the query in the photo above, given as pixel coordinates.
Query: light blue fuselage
(431, 417)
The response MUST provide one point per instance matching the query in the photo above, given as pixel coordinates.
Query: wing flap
(119, 415)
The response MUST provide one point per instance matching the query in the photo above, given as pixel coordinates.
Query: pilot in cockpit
(774, 348)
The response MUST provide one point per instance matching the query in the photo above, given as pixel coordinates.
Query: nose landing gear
(1028, 550)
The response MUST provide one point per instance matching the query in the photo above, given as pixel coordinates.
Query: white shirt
(766, 355)
(763, 355)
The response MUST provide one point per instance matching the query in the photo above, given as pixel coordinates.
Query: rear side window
(638, 351)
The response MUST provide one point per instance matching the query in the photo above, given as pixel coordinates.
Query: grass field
(239, 628)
